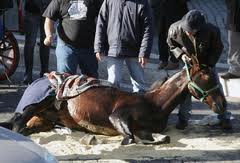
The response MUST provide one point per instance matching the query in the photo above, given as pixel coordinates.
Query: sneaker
(226, 124)
(162, 65)
(181, 124)
(172, 66)
(229, 75)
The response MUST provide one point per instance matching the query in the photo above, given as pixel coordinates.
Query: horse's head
(203, 85)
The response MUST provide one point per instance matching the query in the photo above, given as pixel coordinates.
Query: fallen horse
(110, 111)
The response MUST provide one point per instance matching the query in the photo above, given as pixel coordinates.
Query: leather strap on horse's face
(194, 86)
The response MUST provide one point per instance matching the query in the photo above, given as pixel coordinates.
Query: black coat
(167, 12)
(208, 43)
(233, 16)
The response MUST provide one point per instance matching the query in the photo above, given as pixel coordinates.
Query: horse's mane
(158, 83)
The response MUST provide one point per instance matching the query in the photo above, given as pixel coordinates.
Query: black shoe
(181, 124)
(229, 75)
(226, 124)
(27, 80)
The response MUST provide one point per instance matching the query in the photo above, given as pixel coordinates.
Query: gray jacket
(124, 28)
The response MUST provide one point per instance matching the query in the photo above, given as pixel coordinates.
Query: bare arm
(49, 28)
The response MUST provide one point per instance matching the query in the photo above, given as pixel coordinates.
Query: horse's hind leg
(122, 123)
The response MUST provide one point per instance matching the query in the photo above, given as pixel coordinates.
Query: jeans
(32, 23)
(185, 107)
(69, 57)
(114, 68)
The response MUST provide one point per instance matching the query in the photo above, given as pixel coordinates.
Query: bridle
(194, 86)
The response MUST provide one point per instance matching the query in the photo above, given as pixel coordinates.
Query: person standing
(33, 21)
(166, 12)
(75, 30)
(192, 35)
(125, 32)
(233, 26)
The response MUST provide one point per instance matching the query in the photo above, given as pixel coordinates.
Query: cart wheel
(9, 55)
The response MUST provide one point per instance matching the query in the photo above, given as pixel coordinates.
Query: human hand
(48, 40)
(142, 61)
(185, 58)
(99, 56)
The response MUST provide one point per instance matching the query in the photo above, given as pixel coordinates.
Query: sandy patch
(198, 142)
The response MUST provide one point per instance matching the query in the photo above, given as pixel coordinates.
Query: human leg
(184, 113)
(44, 50)
(136, 74)
(88, 62)
(233, 56)
(66, 58)
(162, 45)
(31, 23)
(224, 118)
(114, 68)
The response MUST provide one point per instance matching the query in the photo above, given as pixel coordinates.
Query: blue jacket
(124, 28)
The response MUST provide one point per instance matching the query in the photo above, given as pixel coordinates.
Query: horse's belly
(105, 127)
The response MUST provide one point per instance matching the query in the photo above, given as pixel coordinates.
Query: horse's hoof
(127, 141)
(18, 127)
(162, 140)
(89, 140)
(26, 131)
(166, 140)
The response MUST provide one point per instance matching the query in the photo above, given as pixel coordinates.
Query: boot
(226, 124)
(181, 124)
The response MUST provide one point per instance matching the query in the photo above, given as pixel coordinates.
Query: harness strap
(195, 86)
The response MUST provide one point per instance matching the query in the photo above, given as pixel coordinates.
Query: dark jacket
(208, 43)
(233, 15)
(167, 12)
(36, 6)
(126, 27)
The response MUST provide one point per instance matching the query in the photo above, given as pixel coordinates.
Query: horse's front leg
(31, 111)
(122, 122)
(37, 124)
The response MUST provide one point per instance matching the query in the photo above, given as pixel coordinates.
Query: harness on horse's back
(70, 86)
(194, 86)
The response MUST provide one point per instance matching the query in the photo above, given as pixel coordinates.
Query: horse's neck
(171, 93)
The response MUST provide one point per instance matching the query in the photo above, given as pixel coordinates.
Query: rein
(194, 86)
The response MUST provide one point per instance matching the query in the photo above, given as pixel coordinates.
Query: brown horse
(110, 111)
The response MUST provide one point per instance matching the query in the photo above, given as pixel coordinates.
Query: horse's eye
(206, 77)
